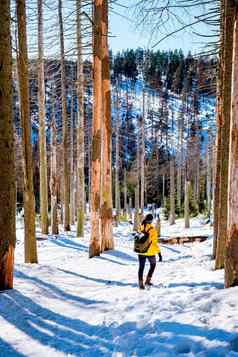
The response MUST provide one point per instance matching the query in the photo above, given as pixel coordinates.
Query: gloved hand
(160, 257)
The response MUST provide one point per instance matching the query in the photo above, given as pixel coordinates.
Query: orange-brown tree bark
(95, 242)
(106, 148)
(137, 189)
(65, 123)
(172, 191)
(142, 155)
(54, 180)
(117, 162)
(217, 171)
(225, 132)
(231, 254)
(42, 137)
(7, 171)
(80, 128)
(23, 78)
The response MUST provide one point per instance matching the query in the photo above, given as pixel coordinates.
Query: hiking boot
(141, 285)
(148, 281)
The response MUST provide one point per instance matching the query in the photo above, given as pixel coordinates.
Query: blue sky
(125, 35)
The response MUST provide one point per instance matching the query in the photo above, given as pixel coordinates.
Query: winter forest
(118, 178)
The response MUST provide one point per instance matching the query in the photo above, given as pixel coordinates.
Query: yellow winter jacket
(154, 247)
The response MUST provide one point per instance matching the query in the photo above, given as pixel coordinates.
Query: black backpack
(142, 241)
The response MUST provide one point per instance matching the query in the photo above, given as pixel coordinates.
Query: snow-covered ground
(70, 305)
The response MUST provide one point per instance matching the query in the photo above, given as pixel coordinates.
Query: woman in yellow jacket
(146, 226)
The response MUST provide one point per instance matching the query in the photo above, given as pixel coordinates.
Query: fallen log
(182, 240)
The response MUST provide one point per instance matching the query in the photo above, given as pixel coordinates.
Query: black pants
(142, 260)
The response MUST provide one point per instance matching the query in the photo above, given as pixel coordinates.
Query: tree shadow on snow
(67, 243)
(168, 338)
(7, 350)
(99, 280)
(65, 334)
(54, 291)
(195, 285)
(110, 260)
(74, 336)
(63, 242)
(122, 255)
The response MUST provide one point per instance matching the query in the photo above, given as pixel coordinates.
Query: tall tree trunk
(95, 242)
(72, 161)
(137, 189)
(186, 204)
(197, 164)
(142, 158)
(23, 77)
(80, 128)
(53, 178)
(42, 138)
(163, 191)
(117, 163)
(180, 161)
(179, 186)
(89, 170)
(106, 197)
(216, 193)
(125, 193)
(172, 192)
(64, 123)
(130, 209)
(231, 253)
(225, 131)
(209, 174)
(7, 172)
(219, 120)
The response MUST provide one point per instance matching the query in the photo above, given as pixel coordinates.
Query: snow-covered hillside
(131, 95)
(70, 305)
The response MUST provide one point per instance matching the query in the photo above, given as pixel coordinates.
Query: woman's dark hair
(148, 219)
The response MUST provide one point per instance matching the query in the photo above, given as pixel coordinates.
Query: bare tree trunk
(231, 252)
(186, 204)
(54, 178)
(130, 209)
(153, 209)
(179, 186)
(209, 174)
(125, 193)
(137, 190)
(197, 165)
(80, 128)
(142, 158)
(172, 192)
(197, 182)
(158, 226)
(95, 241)
(117, 184)
(106, 198)
(7, 172)
(89, 172)
(64, 123)
(219, 120)
(163, 191)
(180, 162)
(29, 198)
(226, 107)
(216, 193)
(42, 138)
(137, 204)
(72, 161)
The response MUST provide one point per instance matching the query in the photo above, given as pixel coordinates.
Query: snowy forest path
(70, 305)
